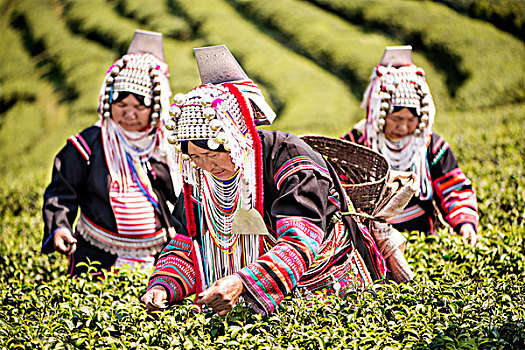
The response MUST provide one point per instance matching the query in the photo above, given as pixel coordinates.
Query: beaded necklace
(224, 252)
(221, 202)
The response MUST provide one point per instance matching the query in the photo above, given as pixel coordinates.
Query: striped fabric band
(80, 144)
(134, 213)
(439, 149)
(341, 279)
(451, 181)
(297, 164)
(175, 270)
(131, 244)
(334, 198)
(274, 274)
(458, 198)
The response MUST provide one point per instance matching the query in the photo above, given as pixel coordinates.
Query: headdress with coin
(397, 82)
(222, 114)
(141, 71)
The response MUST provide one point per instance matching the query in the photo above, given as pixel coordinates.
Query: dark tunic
(452, 192)
(81, 179)
(301, 196)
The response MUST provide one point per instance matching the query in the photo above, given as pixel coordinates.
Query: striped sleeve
(295, 165)
(81, 145)
(275, 273)
(455, 194)
(458, 198)
(354, 136)
(174, 270)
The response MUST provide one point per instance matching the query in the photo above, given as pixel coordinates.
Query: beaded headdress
(398, 82)
(222, 112)
(141, 71)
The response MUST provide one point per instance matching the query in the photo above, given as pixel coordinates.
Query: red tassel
(190, 219)
(257, 145)
(198, 272)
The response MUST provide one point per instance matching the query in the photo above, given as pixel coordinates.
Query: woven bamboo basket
(363, 171)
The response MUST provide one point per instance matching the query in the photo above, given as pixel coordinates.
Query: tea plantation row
(312, 59)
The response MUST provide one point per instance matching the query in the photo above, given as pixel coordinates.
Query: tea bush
(508, 15)
(341, 47)
(461, 46)
(297, 87)
(312, 61)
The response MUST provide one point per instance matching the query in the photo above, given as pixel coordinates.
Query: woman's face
(218, 163)
(130, 114)
(400, 124)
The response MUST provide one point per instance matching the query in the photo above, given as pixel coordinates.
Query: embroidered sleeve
(275, 273)
(81, 145)
(454, 192)
(175, 271)
(299, 200)
(302, 188)
(295, 165)
(354, 136)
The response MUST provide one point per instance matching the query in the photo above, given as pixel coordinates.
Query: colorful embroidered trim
(257, 144)
(175, 270)
(274, 274)
(133, 243)
(380, 262)
(80, 144)
(408, 213)
(458, 198)
(297, 164)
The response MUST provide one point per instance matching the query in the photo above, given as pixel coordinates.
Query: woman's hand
(155, 298)
(64, 241)
(222, 295)
(469, 234)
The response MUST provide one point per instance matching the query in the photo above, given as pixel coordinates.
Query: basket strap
(366, 216)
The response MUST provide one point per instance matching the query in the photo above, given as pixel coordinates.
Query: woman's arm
(454, 192)
(61, 200)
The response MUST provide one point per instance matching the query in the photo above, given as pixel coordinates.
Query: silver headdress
(142, 71)
(217, 65)
(397, 82)
(221, 111)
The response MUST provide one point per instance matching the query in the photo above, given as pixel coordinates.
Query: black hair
(200, 144)
(123, 94)
(412, 110)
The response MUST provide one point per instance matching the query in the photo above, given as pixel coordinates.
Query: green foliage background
(312, 59)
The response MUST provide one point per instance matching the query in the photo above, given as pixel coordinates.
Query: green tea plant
(295, 85)
(312, 60)
(460, 45)
(507, 15)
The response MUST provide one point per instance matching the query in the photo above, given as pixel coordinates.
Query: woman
(116, 171)
(232, 172)
(398, 124)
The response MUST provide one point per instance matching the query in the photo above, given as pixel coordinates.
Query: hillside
(313, 60)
